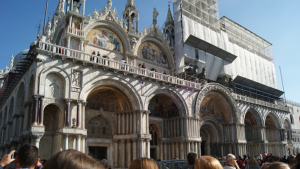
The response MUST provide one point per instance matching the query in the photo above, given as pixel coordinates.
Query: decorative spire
(109, 4)
(11, 61)
(130, 4)
(169, 20)
(58, 8)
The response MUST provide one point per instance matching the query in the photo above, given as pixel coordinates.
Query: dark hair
(278, 165)
(28, 156)
(72, 159)
(297, 166)
(192, 157)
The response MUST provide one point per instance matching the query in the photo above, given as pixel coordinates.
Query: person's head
(72, 159)
(231, 160)
(104, 162)
(292, 160)
(297, 165)
(266, 166)
(143, 163)
(252, 161)
(279, 165)
(43, 161)
(28, 156)
(191, 158)
(276, 158)
(207, 162)
(259, 162)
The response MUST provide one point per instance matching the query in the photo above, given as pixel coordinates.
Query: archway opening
(154, 148)
(210, 142)
(252, 127)
(52, 139)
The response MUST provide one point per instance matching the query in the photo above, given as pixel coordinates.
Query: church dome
(20, 56)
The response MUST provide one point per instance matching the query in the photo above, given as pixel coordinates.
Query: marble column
(141, 121)
(165, 151)
(130, 123)
(134, 149)
(141, 152)
(35, 110)
(182, 154)
(147, 125)
(83, 143)
(134, 122)
(41, 112)
(35, 139)
(148, 148)
(83, 7)
(188, 147)
(128, 155)
(122, 154)
(14, 125)
(68, 101)
(71, 5)
(78, 142)
(78, 113)
(161, 152)
(119, 123)
(83, 114)
(177, 149)
(66, 141)
(123, 122)
(127, 123)
(115, 142)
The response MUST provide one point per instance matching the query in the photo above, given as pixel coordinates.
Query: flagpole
(45, 17)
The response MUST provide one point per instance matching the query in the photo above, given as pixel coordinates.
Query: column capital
(66, 134)
(36, 97)
(79, 101)
(78, 136)
(42, 97)
(36, 136)
(68, 101)
(123, 141)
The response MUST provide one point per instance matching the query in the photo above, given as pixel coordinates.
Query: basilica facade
(102, 86)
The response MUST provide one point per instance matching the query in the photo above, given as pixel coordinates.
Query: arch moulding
(225, 93)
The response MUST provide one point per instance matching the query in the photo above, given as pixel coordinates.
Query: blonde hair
(279, 165)
(143, 163)
(252, 161)
(207, 162)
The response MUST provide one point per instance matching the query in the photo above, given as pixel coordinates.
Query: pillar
(83, 7)
(147, 124)
(128, 156)
(68, 101)
(123, 123)
(66, 141)
(122, 154)
(72, 5)
(35, 139)
(141, 148)
(41, 112)
(78, 142)
(165, 151)
(134, 149)
(188, 147)
(14, 126)
(182, 154)
(141, 126)
(161, 152)
(130, 123)
(115, 142)
(35, 110)
(78, 113)
(83, 115)
(134, 122)
(68, 5)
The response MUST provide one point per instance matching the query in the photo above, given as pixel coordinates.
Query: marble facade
(72, 98)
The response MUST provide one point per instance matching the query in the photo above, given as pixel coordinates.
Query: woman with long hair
(297, 165)
(252, 163)
(143, 163)
(72, 159)
(207, 162)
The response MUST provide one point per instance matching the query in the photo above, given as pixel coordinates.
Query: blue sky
(276, 21)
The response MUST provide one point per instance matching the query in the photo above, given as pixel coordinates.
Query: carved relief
(76, 78)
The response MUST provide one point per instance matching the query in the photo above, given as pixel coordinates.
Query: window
(292, 119)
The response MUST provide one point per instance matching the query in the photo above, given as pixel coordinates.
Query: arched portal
(253, 132)
(164, 106)
(109, 112)
(154, 143)
(210, 139)
(52, 139)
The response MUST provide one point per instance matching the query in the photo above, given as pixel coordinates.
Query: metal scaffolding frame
(202, 11)
(245, 38)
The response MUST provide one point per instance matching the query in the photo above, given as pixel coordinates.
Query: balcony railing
(260, 102)
(74, 31)
(116, 65)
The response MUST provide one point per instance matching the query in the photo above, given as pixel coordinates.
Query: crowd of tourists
(28, 157)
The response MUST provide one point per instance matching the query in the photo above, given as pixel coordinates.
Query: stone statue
(104, 10)
(144, 30)
(76, 79)
(96, 15)
(155, 14)
(113, 11)
(151, 27)
(54, 89)
(121, 22)
(100, 13)
(202, 75)
(133, 43)
(89, 17)
(140, 33)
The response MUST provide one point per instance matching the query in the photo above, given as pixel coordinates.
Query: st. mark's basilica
(99, 84)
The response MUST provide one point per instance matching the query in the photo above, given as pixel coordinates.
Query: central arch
(211, 138)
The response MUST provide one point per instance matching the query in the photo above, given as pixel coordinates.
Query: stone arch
(256, 114)
(53, 122)
(210, 134)
(99, 127)
(172, 94)
(162, 46)
(274, 118)
(226, 95)
(20, 109)
(119, 31)
(58, 71)
(118, 83)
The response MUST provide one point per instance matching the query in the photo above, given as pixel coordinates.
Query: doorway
(203, 152)
(98, 153)
(153, 153)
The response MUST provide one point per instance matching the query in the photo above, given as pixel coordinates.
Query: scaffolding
(202, 11)
(243, 37)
